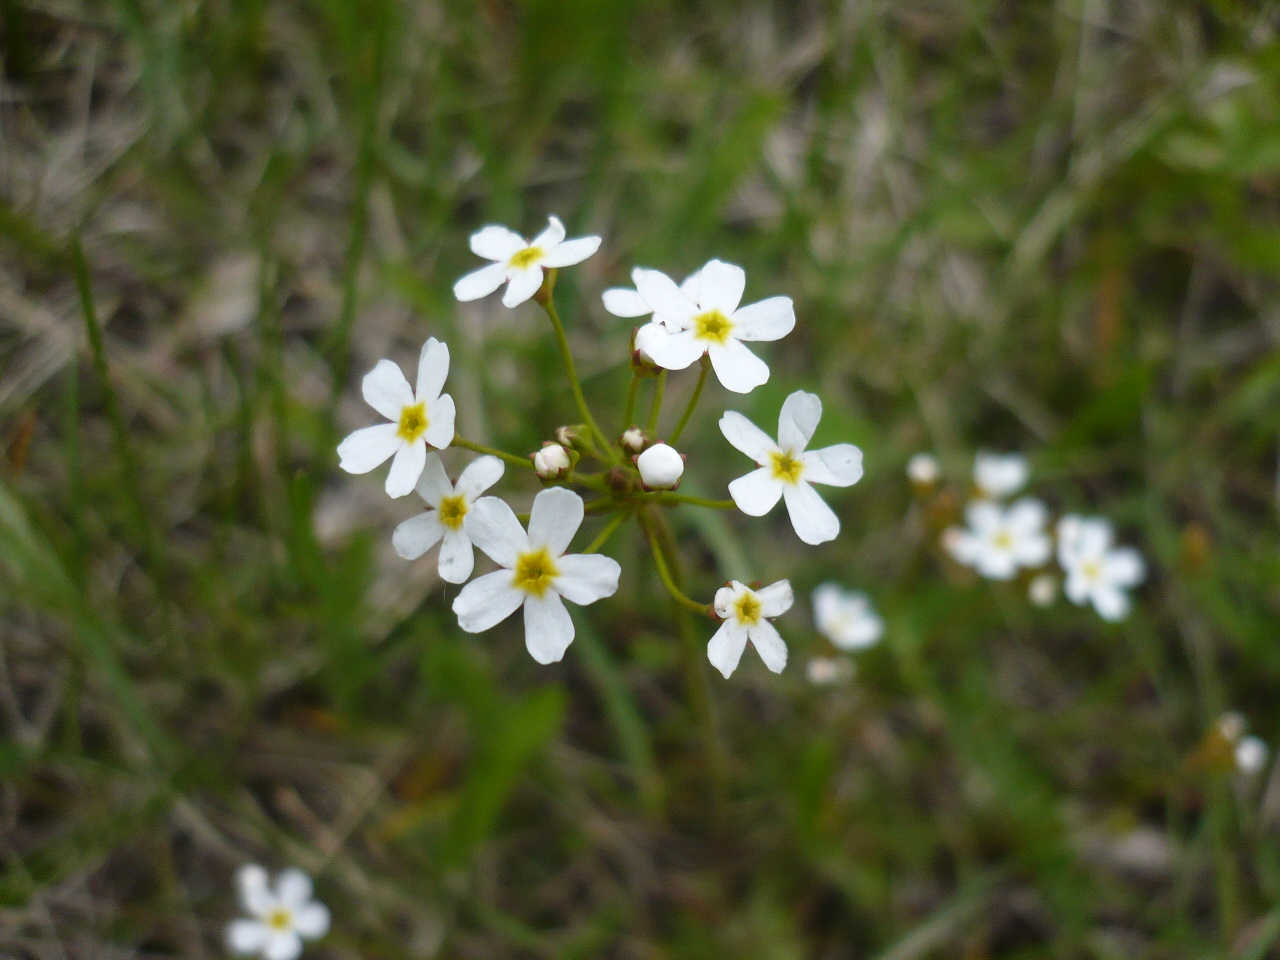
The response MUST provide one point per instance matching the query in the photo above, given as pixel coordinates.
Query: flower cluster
(1005, 541)
(633, 475)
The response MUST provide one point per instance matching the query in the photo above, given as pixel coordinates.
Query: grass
(1041, 227)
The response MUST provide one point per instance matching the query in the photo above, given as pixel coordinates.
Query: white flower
(998, 476)
(746, 614)
(661, 467)
(519, 264)
(535, 573)
(1096, 572)
(418, 419)
(708, 320)
(280, 917)
(825, 671)
(443, 523)
(923, 469)
(846, 617)
(1231, 725)
(552, 462)
(999, 539)
(1251, 754)
(1043, 590)
(787, 469)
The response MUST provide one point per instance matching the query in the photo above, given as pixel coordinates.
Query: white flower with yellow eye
(708, 320)
(443, 523)
(746, 614)
(787, 469)
(536, 574)
(999, 540)
(1096, 572)
(519, 264)
(418, 418)
(1000, 475)
(846, 617)
(281, 917)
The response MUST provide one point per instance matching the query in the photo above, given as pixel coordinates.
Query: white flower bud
(1231, 725)
(660, 467)
(1043, 590)
(923, 469)
(551, 462)
(633, 440)
(1251, 755)
(824, 671)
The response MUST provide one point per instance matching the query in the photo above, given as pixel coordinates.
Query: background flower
(281, 915)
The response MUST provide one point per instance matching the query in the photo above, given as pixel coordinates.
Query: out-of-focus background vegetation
(1046, 227)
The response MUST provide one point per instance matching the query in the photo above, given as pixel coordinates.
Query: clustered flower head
(634, 472)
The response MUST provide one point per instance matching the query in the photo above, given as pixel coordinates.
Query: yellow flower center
(786, 467)
(525, 257)
(747, 609)
(1002, 540)
(534, 572)
(413, 422)
(280, 919)
(452, 510)
(713, 326)
(1091, 570)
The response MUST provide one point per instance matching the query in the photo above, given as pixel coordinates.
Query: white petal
(552, 236)
(406, 468)
(480, 474)
(480, 283)
(571, 252)
(255, 893)
(293, 888)
(999, 475)
(769, 644)
(995, 564)
(1124, 567)
(757, 492)
(247, 936)
(1032, 550)
(775, 599)
(962, 545)
(496, 243)
(386, 390)
(661, 293)
(311, 920)
(282, 945)
(492, 526)
(486, 601)
(587, 577)
(736, 367)
(799, 418)
(837, 466)
(524, 284)
(691, 286)
(727, 596)
(674, 351)
(1076, 588)
(770, 319)
(814, 521)
(457, 559)
(433, 368)
(440, 419)
(726, 646)
(369, 447)
(1027, 516)
(1111, 603)
(548, 628)
(554, 519)
(746, 437)
(720, 287)
(624, 302)
(417, 535)
(983, 515)
(434, 483)
(828, 601)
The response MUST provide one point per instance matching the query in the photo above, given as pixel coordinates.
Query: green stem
(474, 447)
(549, 305)
(693, 401)
(670, 498)
(607, 532)
(630, 411)
(660, 562)
(659, 387)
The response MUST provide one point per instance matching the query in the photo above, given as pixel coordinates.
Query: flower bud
(922, 470)
(1043, 590)
(642, 364)
(634, 440)
(660, 467)
(552, 462)
(1251, 755)
(575, 437)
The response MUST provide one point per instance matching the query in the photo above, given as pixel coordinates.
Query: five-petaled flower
(443, 523)
(519, 264)
(536, 573)
(746, 614)
(845, 617)
(1096, 572)
(418, 419)
(704, 318)
(281, 917)
(999, 475)
(786, 468)
(1000, 540)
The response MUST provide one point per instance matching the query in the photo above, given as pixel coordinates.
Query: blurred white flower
(1231, 725)
(1096, 572)
(519, 264)
(552, 462)
(787, 470)
(826, 671)
(708, 320)
(846, 617)
(536, 574)
(1251, 755)
(999, 540)
(443, 523)
(923, 469)
(1043, 590)
(419, 418)
(999, 475)
(281, 917)
(661, 467)
(746, 614)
